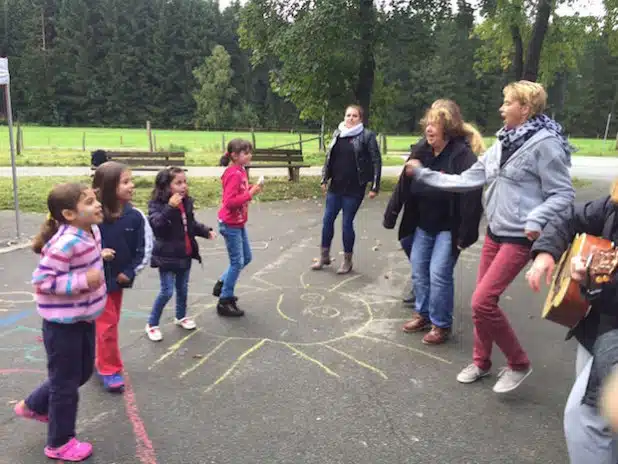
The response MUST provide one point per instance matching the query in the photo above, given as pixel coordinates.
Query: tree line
(278, 64)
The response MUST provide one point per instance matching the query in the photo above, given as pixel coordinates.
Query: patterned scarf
(512, 139)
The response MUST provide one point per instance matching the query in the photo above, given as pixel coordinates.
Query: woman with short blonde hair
(528, 183)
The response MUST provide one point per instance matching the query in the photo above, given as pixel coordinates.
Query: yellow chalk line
(343, 282)
(313, 360)
(415, 350)
(259, 279)
(172, 349)
(236, 363)
(204, 359)
(360, 363)
(281, 313)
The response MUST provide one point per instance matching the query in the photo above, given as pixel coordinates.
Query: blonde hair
(529, 94)
(447, 114)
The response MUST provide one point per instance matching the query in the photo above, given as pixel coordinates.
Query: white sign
(4, 71)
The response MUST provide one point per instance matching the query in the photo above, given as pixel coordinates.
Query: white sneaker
(509, 380)
(471, 373)
(154, 333)
(186, 323)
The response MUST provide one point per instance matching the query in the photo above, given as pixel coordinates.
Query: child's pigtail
(225, 159)
(48, 230)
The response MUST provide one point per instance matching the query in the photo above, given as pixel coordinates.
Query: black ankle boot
(227, 308)
(216, 290)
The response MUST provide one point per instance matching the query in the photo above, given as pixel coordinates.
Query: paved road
(317, 372)
(585, 167)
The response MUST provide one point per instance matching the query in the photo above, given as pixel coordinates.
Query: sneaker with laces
(154, 333)
(471, 373)
(509, 380)
(113, 383)
(186, 323)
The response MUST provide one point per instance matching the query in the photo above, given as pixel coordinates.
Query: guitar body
(565, 304)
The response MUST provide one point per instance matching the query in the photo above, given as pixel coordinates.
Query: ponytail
(48, 230)
(225, 159)
(474, 138)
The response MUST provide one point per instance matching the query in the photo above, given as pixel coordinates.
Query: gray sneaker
(471, 373)
(509, 380)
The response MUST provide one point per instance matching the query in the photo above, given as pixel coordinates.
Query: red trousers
(500, 264)
(108, 359)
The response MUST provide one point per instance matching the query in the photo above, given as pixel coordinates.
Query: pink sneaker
(22, 410)
(73, 451)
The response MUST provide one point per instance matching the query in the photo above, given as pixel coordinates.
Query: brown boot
(346, 265)
(417, 324)
(437, 336)
(324, 260)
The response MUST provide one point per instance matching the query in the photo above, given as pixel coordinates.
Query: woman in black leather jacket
(353, 160)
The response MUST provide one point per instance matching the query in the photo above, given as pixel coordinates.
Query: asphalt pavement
(318, 371)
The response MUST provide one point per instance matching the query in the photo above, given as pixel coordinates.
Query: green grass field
(206, 191)
(63, 146)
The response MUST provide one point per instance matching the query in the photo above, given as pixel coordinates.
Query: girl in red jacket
(237, 193)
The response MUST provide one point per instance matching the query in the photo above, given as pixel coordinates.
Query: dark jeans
(406, 244)
(169, 280)
(239, 252)
(70, 362)
(336, 202)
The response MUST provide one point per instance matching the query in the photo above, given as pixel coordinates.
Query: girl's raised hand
(255, 189)
(175, 200)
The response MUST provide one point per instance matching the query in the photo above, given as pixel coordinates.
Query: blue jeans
(239, 252)
(334, 203)
(169, 279)
(433, 265)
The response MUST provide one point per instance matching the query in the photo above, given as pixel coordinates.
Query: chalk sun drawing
(316, 316)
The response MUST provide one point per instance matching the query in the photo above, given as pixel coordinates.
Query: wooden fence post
(223, 147)
(83, 141)
(148, 129)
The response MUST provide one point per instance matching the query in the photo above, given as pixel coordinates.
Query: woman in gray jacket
(528, 182)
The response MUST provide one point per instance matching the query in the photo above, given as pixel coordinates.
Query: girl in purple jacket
(171, 217)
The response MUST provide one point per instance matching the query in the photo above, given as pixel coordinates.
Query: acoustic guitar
(565, 304)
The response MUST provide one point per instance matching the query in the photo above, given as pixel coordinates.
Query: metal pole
(609, 118)
(9, 117)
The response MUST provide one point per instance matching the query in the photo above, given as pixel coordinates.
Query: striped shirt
(61, 287)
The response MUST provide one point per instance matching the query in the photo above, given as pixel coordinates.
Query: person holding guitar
(528, 182)
(588, 435)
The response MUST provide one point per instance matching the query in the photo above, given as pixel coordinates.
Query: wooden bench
(147, 161)
(279, 158)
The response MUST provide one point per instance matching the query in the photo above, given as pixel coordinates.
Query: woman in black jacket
(441, 223)
(353, 160)
(173, 223)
